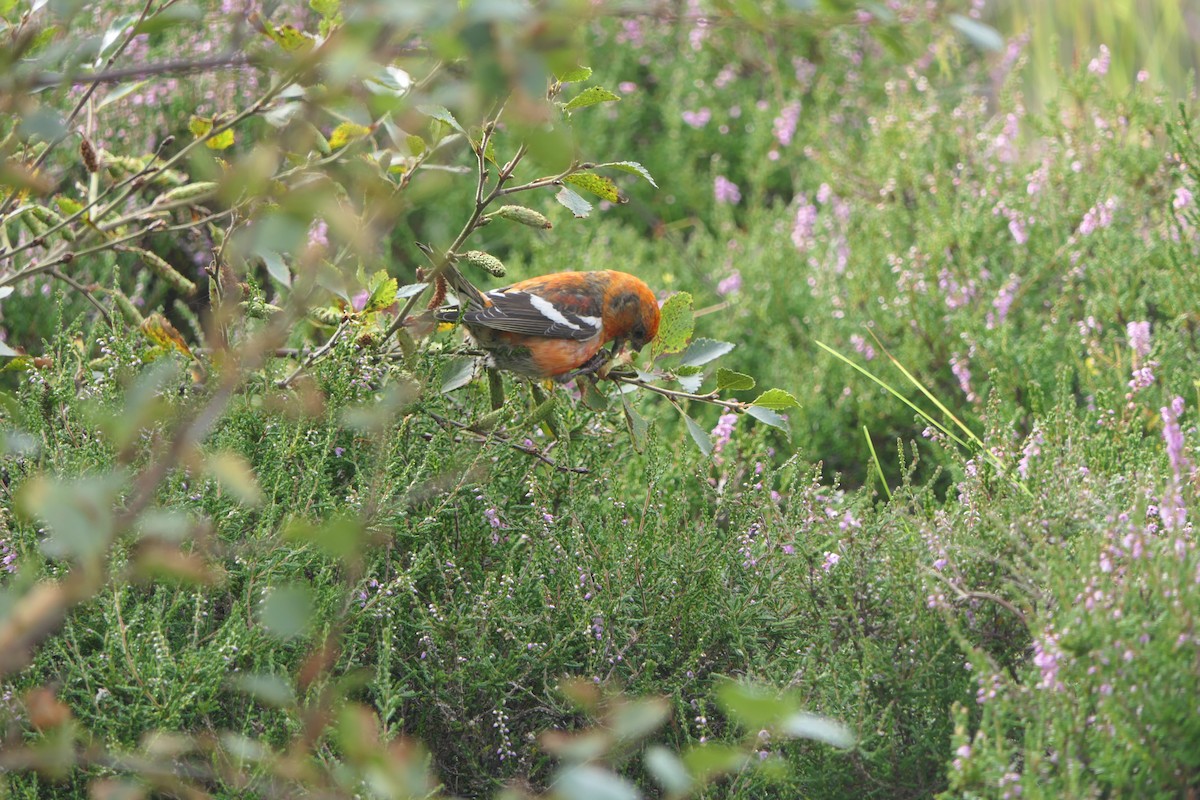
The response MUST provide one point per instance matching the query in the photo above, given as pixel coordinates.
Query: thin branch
(83, 290)
(712, 397)
(313, 356)
(504, 440)
(180, 66)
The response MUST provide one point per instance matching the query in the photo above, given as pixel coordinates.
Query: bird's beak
(618, 343)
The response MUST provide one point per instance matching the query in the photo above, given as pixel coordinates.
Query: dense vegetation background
(256, 542)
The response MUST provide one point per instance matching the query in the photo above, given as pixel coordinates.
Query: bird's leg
(589, 367)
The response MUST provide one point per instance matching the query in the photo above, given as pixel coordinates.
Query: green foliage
(268, 541)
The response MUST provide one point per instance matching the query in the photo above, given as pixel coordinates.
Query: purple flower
(784, 126)
(627, 87)
(1097, 217)
(862, 347)
(730, 285)
(805, 224)
(697, 119)
(1183, 199)
(958, 365)
(318, 234)
(831, 560)
(1143, 377)
(1032, 449)
(1138, 334)
(1173, 436)
(726, 191)
(1099, 64)
(1003, 302)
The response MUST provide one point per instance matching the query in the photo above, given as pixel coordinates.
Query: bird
(555, 326)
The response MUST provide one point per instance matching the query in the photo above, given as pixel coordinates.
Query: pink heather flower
(831, 560)
(958, 365)
(1016, 226)
(1143, 76)
(725, 77)
(1173, 436)
(697, 119)
(1099, 64)
(8, 557)
(1005, 143)
(1098, 216)
(724, 431)
(784, 126)
(627, 87)
(1143, 377)
(631, 32)
(1003, 302)
(1138, 334)
(805, 224)
(318, 234)
(730, 285)
(957, 295)
(1183, 199)
(359, 301)
(862, 347)
(698, 33)
(805, 70)
(726, 191)
(1046, 655)
(1032, 449)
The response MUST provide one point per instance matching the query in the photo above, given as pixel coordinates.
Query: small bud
(523, 215)
(88, 153)
(486, 262)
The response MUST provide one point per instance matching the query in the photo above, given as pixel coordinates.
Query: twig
(674, 394)
(313, 356)
(79, 287)
(181, 66)
(504, 440)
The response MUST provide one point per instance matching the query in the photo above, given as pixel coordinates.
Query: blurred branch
(178, 67)
(83, 290)
(494, 437)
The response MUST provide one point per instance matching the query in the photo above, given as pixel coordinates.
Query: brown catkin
(439, 293)
(162, 269)
(88, 153)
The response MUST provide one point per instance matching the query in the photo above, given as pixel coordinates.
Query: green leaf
(328, 9)
(221, 141)
(667, 770)
(573, 202)
(442, 114)
(811, 726)
(457, 373)
(632, 167)
(699, 435)
(235, 475)
(677, 320)
(7, 352)
(271, 690)
(169, 17)
(707, 761)
(120, 93)
(575, 75)
(590, 97)
(341, 536)
(753, 706)
(776, 400)
(768, 417)
(416, 145)
(588, 782)
(67, 206)
(346, 133)
(702, 351)
(78, 514)
(276, 267)
(728, 380)
(287, 611)
(983, 36)
(596, 184)
(638, 429)
(410, 289)
(636, 719)
(383, 292)
(290, 38)
(200, 126)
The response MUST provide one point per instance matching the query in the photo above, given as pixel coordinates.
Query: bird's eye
(638, 334)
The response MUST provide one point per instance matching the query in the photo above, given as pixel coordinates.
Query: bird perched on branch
(555, 326)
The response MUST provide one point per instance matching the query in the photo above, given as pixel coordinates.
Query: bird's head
(630, 310)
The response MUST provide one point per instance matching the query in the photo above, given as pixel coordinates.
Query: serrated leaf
(677, 320)
(590, 97)
(442, 114)
(457, 373)
(699, 435)
(575, 75)
(573, 202)
(290, 38)
(410, 289)
(276, 267)
(346, 133)
(632, 167)
(730, 381)
(822, 729)
(768, 417)
(776, 400)
(983, 36)
(221, 141)
(200, 126)
(383, 292)
(158, 330)
(591, 396)
(691, 383)
(702, 351)
(596, 184)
